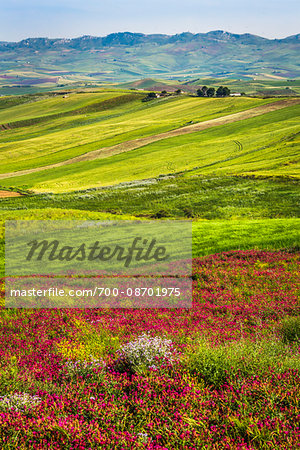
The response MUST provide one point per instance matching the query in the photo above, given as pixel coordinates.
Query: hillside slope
(133, 140)
(42, 139)
(137, 143)
(129, 56)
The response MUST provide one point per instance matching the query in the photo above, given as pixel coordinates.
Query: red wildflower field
(221, 375)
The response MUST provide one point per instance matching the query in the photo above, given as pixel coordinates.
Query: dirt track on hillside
(136, 143)
(6, 194)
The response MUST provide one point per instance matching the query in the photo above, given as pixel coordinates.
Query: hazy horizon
(22, 19)
(129, 31)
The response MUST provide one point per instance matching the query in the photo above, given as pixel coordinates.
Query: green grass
(240, 359)
(103, 104)
(260, 146)
(229, 212)
(189, 196)
(211, 237)
(50, 214)
(290, 329)
(46, 142)
(237, 181)
(39, 106)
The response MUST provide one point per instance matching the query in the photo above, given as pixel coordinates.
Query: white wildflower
(84, 367)
(148, 352)
(19, 401)
(143, 437)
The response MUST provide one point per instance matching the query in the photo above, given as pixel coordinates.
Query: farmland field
(56, 139)
(222, 149)
(223, 374)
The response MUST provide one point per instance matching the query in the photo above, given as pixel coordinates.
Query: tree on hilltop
(150, 96)
(210, 92)
(200, 93)
(219, 92)
(223, 91)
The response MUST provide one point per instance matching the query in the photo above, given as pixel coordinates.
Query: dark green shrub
(290, 329)
(238, 360)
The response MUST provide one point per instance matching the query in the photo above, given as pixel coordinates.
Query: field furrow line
(106, 152)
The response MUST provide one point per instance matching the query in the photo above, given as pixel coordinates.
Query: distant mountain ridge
(126, 56)
(129, 39)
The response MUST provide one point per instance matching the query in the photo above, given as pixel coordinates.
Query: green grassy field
(47, 105)
(38, 143)
(209, 236)
(262, 85)
(237, 181)
(260, 146)
(184, 196)
(49, 214)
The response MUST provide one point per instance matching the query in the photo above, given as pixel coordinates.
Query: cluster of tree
(223, 91)
(164, 93)
(206, 92)
(177, 92)
(150, 96)
(210, 92)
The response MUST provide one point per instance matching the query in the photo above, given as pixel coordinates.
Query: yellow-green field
(177, 157)
(49, 130)
(57, 139)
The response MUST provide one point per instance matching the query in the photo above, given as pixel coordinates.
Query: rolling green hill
(38, 138)
(266, 145)
(230, 164)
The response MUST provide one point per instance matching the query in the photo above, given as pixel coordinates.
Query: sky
(20, 19)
